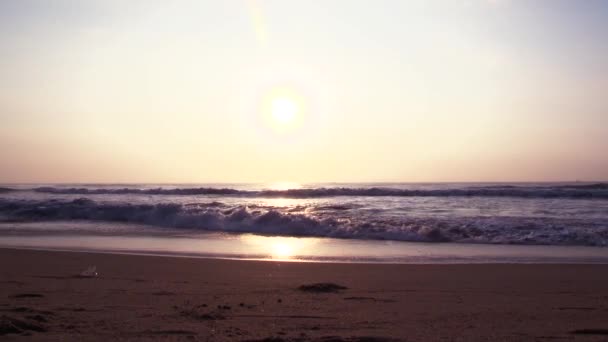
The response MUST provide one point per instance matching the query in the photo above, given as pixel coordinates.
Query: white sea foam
(344, 220)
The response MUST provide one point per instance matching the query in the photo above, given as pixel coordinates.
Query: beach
(175, 298)
(304, 171)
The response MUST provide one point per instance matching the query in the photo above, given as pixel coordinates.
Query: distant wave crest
(319, 222)
(575, 191)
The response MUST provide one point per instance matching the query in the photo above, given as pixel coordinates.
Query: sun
(283, 110)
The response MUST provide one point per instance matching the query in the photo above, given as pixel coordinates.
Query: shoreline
(143, 297)
(362, 261)
(307, 249)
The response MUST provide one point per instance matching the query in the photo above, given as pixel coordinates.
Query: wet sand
(168, 299)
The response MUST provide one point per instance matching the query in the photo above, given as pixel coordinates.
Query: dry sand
(164, 298)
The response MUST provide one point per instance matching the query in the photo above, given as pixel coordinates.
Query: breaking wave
(310, 221)
(574, 191)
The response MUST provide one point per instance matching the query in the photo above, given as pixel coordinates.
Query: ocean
(351, 222)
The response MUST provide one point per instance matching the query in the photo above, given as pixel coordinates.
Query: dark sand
(163, 298)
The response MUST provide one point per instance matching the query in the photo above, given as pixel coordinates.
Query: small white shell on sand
(90, 272)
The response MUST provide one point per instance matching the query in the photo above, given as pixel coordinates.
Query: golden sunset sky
(304, 91)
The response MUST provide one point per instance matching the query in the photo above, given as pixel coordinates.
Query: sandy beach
(168, 298)
(304, 171)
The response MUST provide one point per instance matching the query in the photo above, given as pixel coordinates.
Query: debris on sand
(197, 314)
(371, 299)
(326, 339)
(89, 272)
(322, 288)
(590, 332)
(28, 295)
(11, 325)
(171, 332)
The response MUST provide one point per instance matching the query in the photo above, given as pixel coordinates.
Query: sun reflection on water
(283, 185)
(282, 250)
(278, 247)
(279, 201)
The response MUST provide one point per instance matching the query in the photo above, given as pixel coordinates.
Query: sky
(306, 91)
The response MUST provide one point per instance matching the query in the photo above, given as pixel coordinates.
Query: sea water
(376, 222)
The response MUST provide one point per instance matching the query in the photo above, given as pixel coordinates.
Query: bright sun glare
(278, 247)
(283, 109)
(281, 250)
